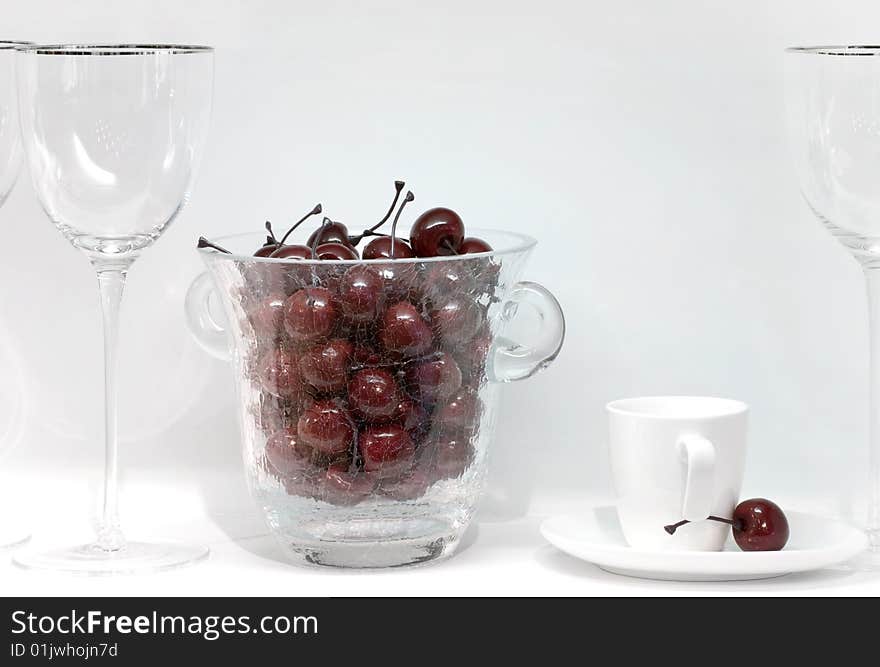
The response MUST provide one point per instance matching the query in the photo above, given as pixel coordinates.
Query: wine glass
(833, 113)
(10, 160)
(113, 135)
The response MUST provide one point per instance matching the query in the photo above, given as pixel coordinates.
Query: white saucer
(595, 537)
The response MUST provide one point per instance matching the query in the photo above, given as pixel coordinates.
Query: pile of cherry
(368, 373)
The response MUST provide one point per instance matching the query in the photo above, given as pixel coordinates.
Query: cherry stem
(398, 188)
(448, 245)
(324, 224)
(271, 234)
(402, 238)
(314, 211)
(671, 528)
(409, 197)
(205, 243)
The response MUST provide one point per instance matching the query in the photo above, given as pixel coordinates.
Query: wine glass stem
(872, 277)
(111, 282)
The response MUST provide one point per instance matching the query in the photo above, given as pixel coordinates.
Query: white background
(641, 142)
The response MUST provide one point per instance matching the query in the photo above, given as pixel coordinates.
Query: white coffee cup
(674, 458)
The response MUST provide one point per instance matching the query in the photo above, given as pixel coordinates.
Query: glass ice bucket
(367, 389)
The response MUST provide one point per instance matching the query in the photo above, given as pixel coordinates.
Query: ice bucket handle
(202, 319)
(519, 356)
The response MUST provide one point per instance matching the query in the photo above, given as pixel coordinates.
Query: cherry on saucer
(757, 524)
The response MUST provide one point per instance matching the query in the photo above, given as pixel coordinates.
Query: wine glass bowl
(833, 105)
(113, 136)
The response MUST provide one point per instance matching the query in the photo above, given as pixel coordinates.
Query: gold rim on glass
(113, 49)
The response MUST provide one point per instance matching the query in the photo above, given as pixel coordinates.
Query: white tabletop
(497, 557)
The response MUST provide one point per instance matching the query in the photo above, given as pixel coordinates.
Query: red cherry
(410, 414)
(380, 248)
(360, 294)
(433, 379)
(364, 355)
(267, 249)
(400, 281)
(335, 251)
(323, 461)
(327, 427)
(329, 232)
(456, 320)
(437, 231)
(472, 245)
(325, 365)
(386, 450)
(342, 486)
(286, 453)
(410, 486)
(452, 456)
(309, 313)
(292, 252)
(760, 525)
(373, 394)
(404, 331)
(279, 374)
(363, 337)
(448, 278)
(266, 315)
(460, 413)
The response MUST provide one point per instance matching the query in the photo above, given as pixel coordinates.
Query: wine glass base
(134, 558)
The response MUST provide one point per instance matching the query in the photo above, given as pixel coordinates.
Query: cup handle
(698, 455)
(202, 325)
(514, 360)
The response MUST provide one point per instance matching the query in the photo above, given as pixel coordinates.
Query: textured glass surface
(349, 499)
